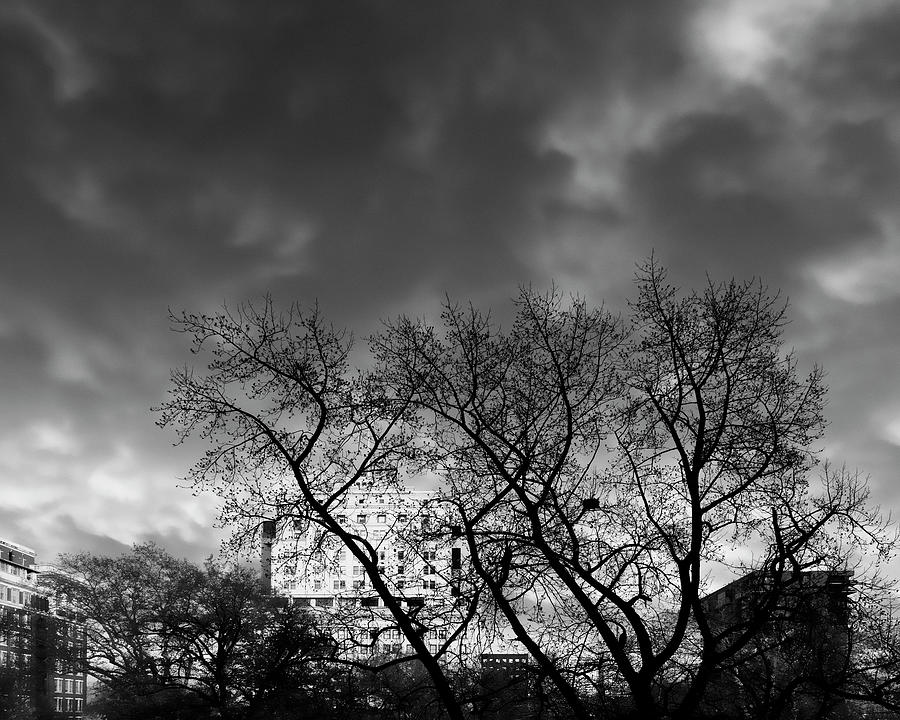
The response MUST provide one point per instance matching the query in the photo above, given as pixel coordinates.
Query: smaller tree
(164, 633)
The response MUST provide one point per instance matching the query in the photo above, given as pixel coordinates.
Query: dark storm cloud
(714, 190)
(791, 175)
(389, 139)
(783, 168)
(376, 155)
(181, 154)
(863, 153)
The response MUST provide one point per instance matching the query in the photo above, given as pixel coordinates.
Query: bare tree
(717, 446)
(601, 475)
(293, 431)
(166, 634)
(600, 472)
(515, 421)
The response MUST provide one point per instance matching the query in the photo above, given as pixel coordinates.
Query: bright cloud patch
(863, 277)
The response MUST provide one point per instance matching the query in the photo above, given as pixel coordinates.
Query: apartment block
(39, 646)
(816, 598)
(420, 559)
(801, 648)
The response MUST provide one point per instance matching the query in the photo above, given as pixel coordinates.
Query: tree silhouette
(599, 470)
(168, 638)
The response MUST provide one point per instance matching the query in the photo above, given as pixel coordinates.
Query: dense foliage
(169, 639)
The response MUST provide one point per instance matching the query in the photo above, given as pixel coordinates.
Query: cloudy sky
(376, 155)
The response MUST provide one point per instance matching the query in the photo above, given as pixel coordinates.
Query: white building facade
(422, 562)
(40, 645)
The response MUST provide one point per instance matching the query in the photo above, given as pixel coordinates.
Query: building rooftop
(24, 549)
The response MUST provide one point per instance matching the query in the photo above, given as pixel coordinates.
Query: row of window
(14, 595)
(397, 648)
(342, 554)
(8, 659)
(427, 584)
(64, 629)
(349, 602)
(362, 518)
(359, 570)
(11, 569)
(68, 686)
(429, 556)
(384, 634)
(380, 518)
(69, 704)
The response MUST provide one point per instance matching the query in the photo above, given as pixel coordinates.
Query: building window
(317, 585)
(361, 518)
(79, 687)
(401, 554)
(429, 584)
(429, 570)
(359, 584)
(57, 684)
(58, 704)
(382, 518)
(325, 602)
(429, 555)
(401, 569)
(70, 686)
(455, 558)
(357, 570)
(340, 584)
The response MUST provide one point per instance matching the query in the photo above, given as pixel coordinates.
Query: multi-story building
(817, 598)
(799, 648)
(420, 561)
(39, 647)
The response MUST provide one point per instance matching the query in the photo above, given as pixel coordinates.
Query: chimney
(267, 538)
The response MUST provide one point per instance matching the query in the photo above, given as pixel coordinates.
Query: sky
(376, 156)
